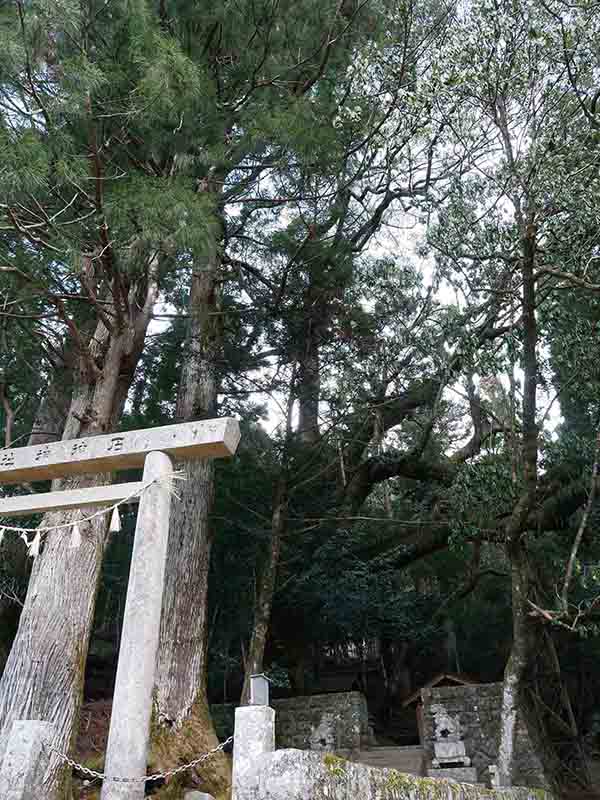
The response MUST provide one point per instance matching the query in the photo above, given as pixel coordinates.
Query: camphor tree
(520, 229)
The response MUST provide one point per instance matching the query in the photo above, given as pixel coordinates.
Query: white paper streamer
(75, 537)
(115, 522)
(34, 547)
(115, 519)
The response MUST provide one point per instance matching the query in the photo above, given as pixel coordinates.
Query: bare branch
(583, 524)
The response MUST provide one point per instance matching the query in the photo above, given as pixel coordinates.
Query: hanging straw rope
(115, 524)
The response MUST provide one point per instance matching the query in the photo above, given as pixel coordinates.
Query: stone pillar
(25, 760)
(254, 735)
(127, 750)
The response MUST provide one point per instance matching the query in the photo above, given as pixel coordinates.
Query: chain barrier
(142, 778)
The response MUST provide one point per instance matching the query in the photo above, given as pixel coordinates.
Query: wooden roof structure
(450, 678)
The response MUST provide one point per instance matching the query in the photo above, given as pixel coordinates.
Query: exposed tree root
(195, 736)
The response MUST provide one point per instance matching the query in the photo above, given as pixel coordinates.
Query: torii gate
(153, 448)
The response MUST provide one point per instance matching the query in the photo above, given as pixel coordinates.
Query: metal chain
(142, 778)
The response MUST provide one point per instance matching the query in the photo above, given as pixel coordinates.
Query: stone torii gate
(153, 449)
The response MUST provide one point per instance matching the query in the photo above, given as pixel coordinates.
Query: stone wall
(478, 709)
(297, 775)
(329, 722)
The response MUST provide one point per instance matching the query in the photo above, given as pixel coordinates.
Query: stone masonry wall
(478, 710)
(328, 722)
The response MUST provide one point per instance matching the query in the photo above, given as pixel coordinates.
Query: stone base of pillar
(25, 760)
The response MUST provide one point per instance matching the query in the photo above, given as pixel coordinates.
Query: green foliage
(480, 486)
(25, 162)
(161, 210)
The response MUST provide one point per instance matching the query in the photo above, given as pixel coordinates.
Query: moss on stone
(397, 781)
(540, 794)
(335, 765)
(432, 788)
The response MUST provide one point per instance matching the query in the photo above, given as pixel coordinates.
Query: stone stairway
(410, 760)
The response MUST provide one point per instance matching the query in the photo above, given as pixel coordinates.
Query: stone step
(410, 760)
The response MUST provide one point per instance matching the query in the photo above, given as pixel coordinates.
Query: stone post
(197, 796)
(127, 750)
(25, 760)
(254, 735)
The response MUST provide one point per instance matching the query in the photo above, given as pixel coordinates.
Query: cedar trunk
(43, 677)
(184, 726)
(317, 312)
(264, 603)
(305, 385)
(253, 663)
(48, 426)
